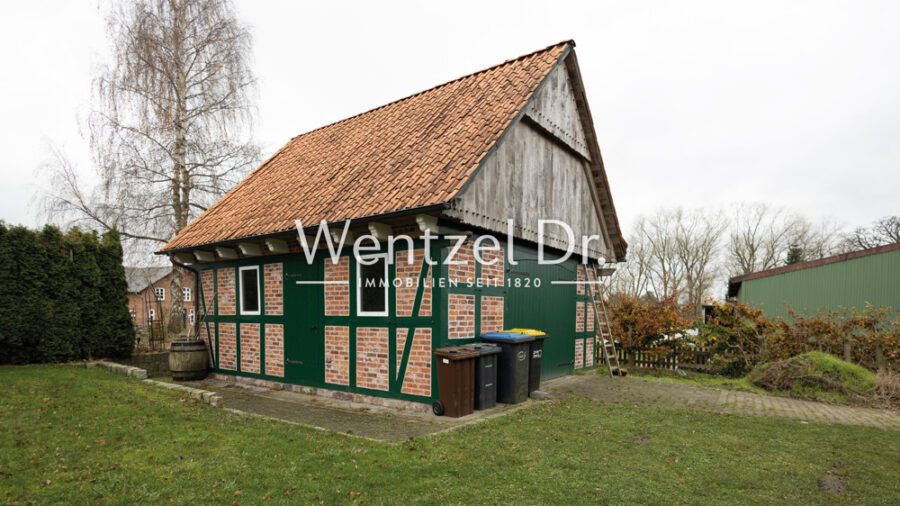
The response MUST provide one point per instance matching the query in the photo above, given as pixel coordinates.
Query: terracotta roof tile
(415, 152)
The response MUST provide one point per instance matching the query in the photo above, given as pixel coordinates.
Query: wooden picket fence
(691, 358)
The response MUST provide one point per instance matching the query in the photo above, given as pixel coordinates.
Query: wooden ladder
(604, 335)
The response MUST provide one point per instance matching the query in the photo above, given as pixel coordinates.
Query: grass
(696, 378)
(73, 435)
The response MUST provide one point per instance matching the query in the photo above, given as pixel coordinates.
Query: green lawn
(69, 434)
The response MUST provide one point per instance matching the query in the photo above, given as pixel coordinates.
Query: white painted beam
(184, 258)
(379, 230)
(427, 223)
(249, 249)
(204, 256)
(226, 253)
(336, 236)
(277, 245)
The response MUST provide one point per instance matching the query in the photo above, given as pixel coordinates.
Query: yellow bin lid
(528, 332)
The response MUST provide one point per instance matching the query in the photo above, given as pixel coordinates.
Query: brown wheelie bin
(456, 381)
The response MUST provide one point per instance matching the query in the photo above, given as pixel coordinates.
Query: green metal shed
(843, 281)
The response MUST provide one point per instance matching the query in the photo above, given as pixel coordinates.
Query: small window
(160, 293)
(152, 314)
(132, 313)
(191, 316)
(372, 287)
(187, 294)
(250, 290)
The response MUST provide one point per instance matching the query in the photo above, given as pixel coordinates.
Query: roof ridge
(422, 92)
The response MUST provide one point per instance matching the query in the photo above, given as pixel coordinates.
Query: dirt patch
(833, 481)
(639, 439)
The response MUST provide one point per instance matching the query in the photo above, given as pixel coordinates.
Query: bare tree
(632, 279)
(884, 231)
(170, 126)
(816, 240)
(759, 235)
(697, 243)
(762, 236)
(666, 271)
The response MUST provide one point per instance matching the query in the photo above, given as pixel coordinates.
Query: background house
(514, 141)
(150, 295)
(842, 281)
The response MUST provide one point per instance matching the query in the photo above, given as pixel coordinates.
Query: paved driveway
(679, 395)
(381, 424)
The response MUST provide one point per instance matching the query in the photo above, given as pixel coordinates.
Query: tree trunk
(879, 358)
(176, 313)
(848, 343)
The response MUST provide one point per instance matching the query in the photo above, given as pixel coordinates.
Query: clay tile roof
(415, 152)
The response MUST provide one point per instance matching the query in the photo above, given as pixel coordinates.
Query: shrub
(735, 336)
(62, 296)
(818, 376)
(640, 324)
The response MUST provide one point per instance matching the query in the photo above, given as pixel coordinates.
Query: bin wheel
(437, 408)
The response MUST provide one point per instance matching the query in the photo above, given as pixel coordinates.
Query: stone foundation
(416, 407)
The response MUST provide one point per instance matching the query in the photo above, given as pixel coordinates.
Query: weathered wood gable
(545, 167)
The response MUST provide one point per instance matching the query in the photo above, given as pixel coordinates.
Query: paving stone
(638, 391)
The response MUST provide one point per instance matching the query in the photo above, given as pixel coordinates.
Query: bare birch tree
(170, 129)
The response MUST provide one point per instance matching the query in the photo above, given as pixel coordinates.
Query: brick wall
(227, 301)
(337, 297)
(227, 347)
(408, 276)
(417, 380)
(589, 352)
(372, 358)
(206, 281)
(462, 273)
(337, 355)
(491, 314)
(579, 353)
(274, 349)
(460, 316)
(493, 275)
(579, 317)
(589, 317)
(250, 347)
(274, 294)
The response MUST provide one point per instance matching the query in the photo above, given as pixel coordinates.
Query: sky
(695, 103)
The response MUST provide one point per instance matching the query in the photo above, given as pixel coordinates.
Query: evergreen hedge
(62, 296)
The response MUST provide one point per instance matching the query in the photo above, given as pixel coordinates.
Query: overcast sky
(695, 103)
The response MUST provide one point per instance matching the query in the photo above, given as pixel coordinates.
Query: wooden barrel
(188, 360)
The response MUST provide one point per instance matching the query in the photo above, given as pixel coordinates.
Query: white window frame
(241, 284)
(160, 293)
(191, 317)
(151, 314)
(186, 294)
(359, 286)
